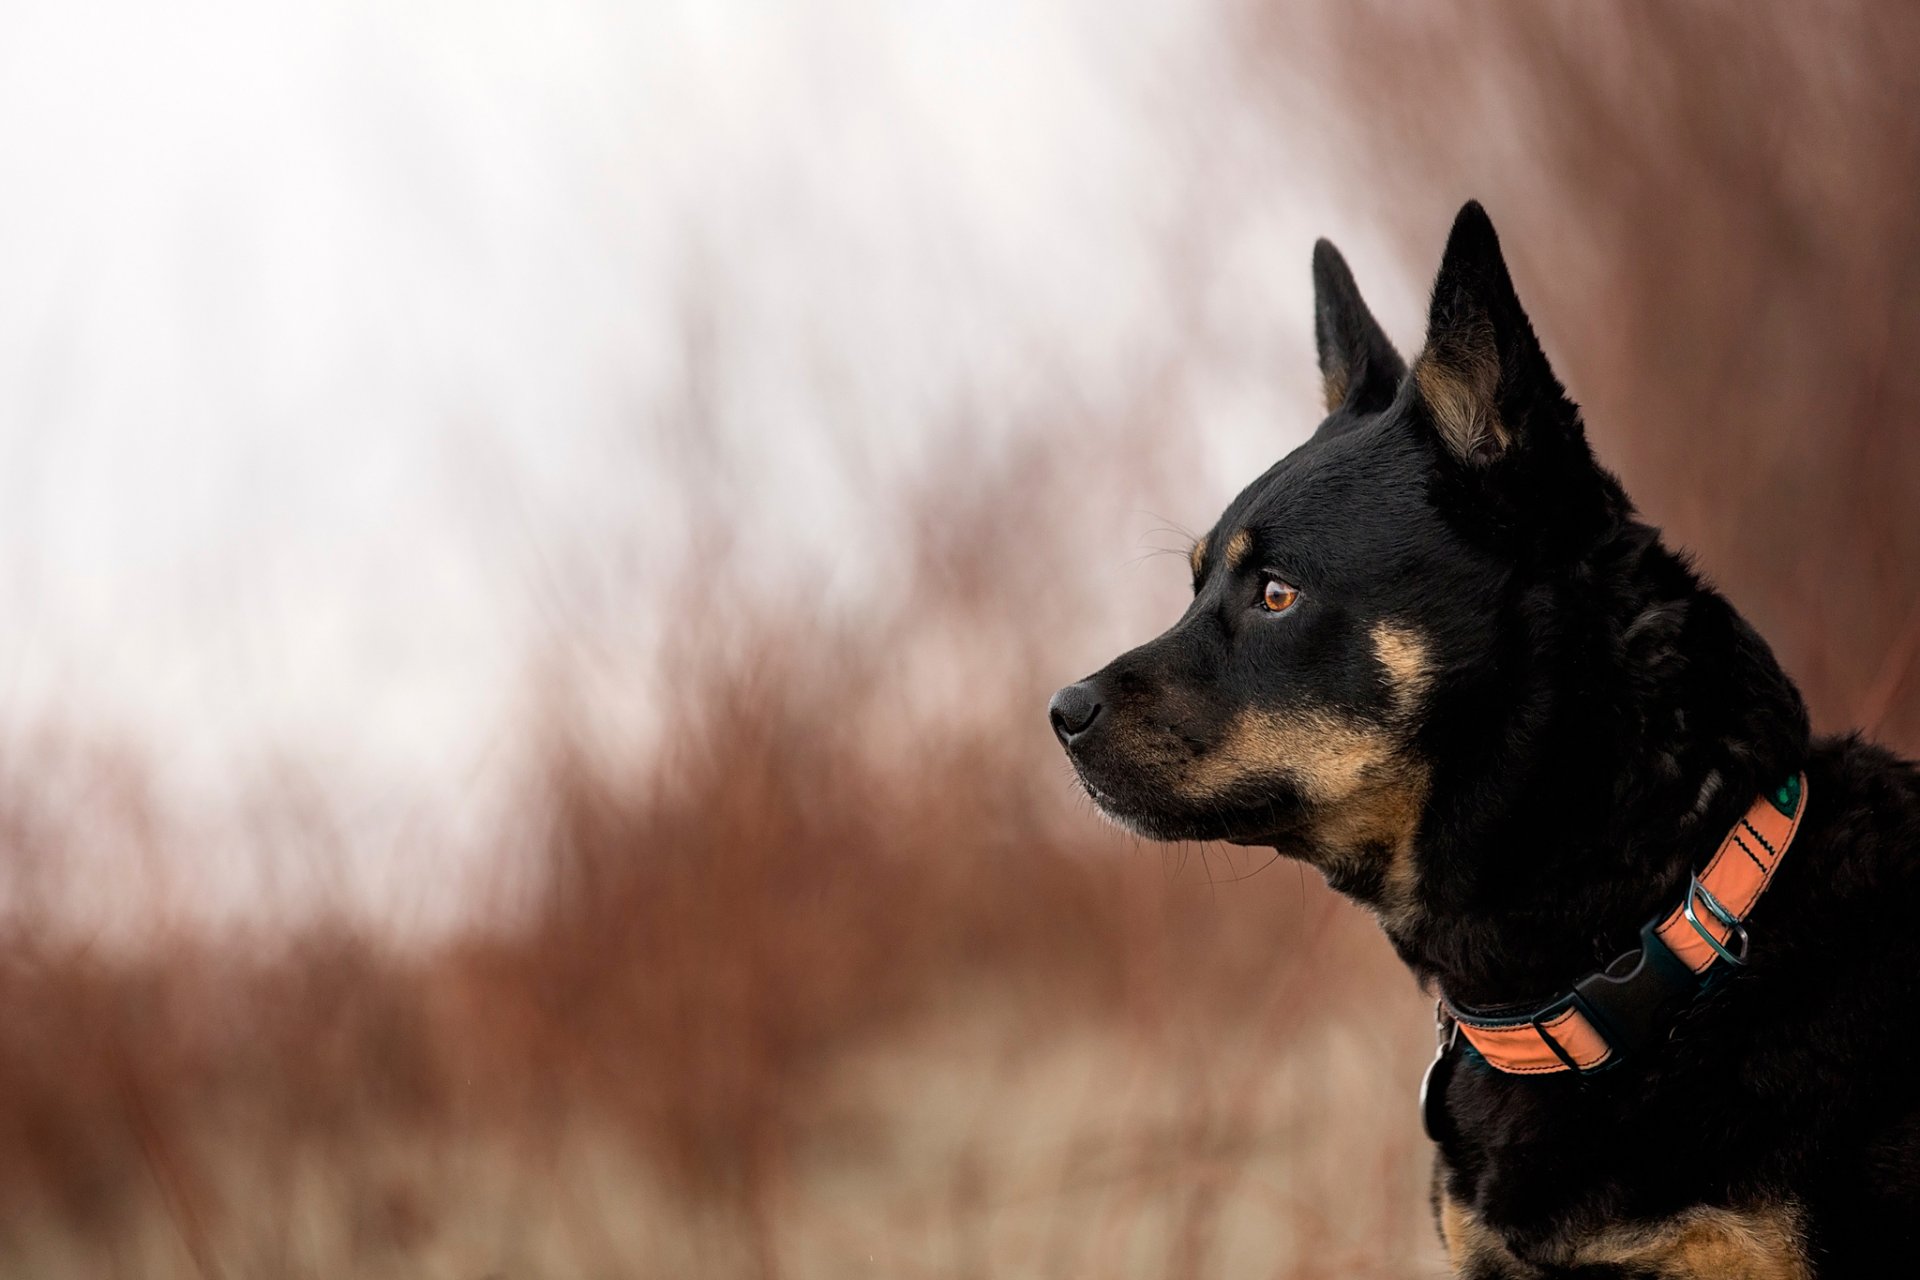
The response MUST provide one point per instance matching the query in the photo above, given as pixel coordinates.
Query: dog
(1434, 654)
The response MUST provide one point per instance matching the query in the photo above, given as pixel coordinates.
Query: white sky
(336, 339)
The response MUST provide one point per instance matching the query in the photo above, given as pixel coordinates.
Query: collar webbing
(1610, 1011)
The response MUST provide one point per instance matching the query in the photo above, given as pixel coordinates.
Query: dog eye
(1279, 596)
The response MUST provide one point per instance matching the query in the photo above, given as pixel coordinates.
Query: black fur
(1591, 719)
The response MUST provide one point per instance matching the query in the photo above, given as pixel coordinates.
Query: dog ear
(1482, 378)
(1359, 369)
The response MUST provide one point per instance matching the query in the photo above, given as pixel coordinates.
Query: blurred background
(535, 538)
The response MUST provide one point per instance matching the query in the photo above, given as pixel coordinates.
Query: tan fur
(1363, 788)
(1760, 1243)
(1333, 388)
(1383, 816)
(1197, 557)
(1471, 1246)
(1404, 656)
(1459, 381)
(1329, 757)
(1326, 756)
(1237, 548)
(1392, 811)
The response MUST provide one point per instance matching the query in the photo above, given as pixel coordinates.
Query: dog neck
(1599, 766)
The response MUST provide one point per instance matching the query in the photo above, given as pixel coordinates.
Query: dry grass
(837, 978)
(785, 1003)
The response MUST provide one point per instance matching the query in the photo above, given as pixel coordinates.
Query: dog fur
(1505, 717)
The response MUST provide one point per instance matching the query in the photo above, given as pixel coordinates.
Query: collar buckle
(1697, 892)
(1632, 1000)
(1609, 1015)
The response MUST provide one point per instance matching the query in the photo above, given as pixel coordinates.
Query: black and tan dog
(1433, 653)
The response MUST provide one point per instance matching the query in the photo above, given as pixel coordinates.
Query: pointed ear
(1359, 369)
(1483, 379)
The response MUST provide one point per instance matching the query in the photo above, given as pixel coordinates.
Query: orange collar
(1615, 1010)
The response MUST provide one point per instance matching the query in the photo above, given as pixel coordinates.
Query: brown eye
(1279, 597)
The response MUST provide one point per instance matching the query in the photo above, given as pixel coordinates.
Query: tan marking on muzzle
(1326, 756)
(1362, 788)
(1329, 757)
(1360, 791)
(1197, 557)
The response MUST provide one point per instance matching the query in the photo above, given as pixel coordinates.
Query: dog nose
(1073, 711)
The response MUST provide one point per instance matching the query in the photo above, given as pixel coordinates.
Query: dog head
(1354, 607)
